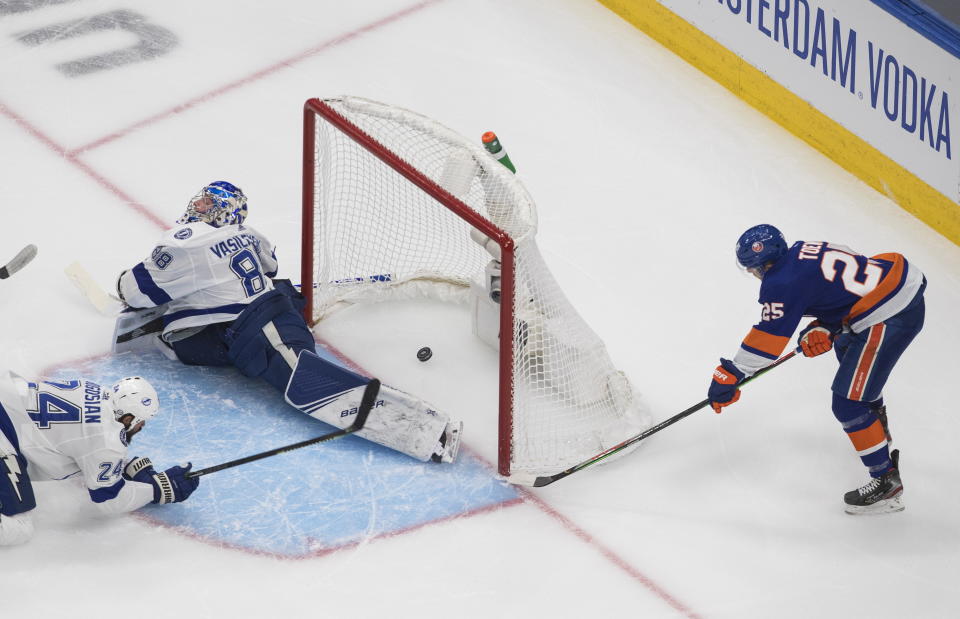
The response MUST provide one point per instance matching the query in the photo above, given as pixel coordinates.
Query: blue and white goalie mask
(219, 204)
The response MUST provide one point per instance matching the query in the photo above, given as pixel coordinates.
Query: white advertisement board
(855, 63)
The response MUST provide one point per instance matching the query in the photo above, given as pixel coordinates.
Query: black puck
(424, 353)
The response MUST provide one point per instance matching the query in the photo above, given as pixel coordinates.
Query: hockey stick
(539, 482)
(23, 257)
(106, 304)
(366, 403)
(154, 326)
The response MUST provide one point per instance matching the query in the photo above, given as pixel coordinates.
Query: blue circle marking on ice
(294, 504)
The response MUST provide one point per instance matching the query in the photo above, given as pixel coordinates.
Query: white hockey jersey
(204, 275)
(67, 428)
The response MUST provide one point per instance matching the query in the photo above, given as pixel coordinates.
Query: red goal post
(397, 206)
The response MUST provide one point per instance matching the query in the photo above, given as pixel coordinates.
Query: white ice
(644, 170)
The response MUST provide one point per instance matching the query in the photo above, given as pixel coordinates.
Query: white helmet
(135, 396)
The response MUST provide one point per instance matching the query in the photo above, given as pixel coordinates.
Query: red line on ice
(613, 557)
(322, 552)
(262, 73)
(73, 156)
(47, 141)
(568, 525)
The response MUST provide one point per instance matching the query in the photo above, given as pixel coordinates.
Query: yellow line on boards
(793, 113)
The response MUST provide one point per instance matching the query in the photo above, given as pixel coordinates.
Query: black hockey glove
(170, 486)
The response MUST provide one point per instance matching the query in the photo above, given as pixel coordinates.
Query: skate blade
(886, 506)
(453, 443)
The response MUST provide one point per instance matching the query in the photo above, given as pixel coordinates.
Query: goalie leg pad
(315, 383)
(332, 394)
(266, 338)
(205, 347)
(449, 443)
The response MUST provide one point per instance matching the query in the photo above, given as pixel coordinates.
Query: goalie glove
(170, 486)
(723, 389)
(815, 339)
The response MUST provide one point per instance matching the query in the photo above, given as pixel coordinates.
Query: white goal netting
(384, 229)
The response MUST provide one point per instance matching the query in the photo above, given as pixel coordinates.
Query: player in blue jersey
(212, 279)
(867, 310)
(52, 430)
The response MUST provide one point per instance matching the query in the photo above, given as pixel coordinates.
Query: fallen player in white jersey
(54, 430)
(210, 280)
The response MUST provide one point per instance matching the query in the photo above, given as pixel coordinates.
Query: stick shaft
(549, 479)
(366, 404)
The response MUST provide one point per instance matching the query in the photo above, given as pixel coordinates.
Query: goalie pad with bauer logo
(397, 420)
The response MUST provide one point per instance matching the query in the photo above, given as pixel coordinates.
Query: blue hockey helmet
(219, 204)
(760, 246)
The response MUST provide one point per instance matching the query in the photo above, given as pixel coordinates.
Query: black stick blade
(19, 261)
(540, 482)
(154, 326)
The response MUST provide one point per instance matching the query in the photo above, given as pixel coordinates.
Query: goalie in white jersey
(51, 430)
(212, 279)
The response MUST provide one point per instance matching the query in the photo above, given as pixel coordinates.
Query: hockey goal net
(395, 206)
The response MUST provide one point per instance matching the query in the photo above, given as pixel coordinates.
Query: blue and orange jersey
(829, 282)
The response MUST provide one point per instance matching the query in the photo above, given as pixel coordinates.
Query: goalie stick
(544, 480)
(154, 326)
(366, 403)
(106, 304)
(23, 257)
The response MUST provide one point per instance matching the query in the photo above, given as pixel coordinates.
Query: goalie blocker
(139, 330)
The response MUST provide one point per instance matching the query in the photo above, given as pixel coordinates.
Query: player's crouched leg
(206, 347)
(866, 432)
(287, 336)
(265, 340)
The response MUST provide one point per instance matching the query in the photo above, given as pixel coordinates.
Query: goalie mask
(134, 396)
(219, 204)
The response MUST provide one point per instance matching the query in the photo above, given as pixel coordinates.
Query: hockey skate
(449, 444)
(882, 495)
